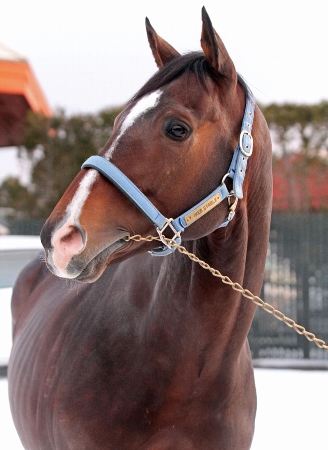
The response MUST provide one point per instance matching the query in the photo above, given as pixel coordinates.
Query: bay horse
(143, 349)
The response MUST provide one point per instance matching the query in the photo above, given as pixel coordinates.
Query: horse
(120, 343)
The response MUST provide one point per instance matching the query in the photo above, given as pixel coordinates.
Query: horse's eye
(177, 131)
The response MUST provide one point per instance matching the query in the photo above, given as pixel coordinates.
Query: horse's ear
(162, 51)
(215, 51)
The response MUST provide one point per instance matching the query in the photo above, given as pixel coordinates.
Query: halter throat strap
(236, 172)
(130, 190)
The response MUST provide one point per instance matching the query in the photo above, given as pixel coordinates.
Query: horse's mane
(192, 62)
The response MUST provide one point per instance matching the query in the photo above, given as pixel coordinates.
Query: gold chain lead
(237, 287)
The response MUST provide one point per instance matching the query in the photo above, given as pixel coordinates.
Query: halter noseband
(236, 172)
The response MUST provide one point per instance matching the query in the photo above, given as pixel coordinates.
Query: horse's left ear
(162, 51)
(215, 51)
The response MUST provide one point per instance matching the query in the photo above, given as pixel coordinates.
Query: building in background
(19, 93)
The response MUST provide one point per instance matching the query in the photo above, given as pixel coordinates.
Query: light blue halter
(236, 172)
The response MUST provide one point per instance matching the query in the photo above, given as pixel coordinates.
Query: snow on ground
(292, 411)
(5, 325)
(9, 437)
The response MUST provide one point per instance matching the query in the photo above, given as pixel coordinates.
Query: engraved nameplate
(203, 209)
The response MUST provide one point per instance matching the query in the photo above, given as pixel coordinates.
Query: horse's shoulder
(28, 279)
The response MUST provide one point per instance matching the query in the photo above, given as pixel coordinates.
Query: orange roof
(19, 92)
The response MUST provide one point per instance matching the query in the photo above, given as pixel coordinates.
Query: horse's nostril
(73, 233)
(67, 242)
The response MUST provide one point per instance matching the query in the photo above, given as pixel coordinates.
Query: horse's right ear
(162, 51)
(215, 50)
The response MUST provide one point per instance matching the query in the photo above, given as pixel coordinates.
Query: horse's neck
(226, 248)
(211, 305)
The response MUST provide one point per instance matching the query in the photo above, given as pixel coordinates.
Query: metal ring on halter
(246, 152)
(225, 177)
(162, 237)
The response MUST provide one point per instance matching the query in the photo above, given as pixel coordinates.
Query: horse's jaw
(84, 267)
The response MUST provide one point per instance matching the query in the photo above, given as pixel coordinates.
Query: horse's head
(174, 140)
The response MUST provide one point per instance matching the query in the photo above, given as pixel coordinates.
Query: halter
(236, 172)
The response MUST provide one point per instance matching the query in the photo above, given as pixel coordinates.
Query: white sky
(89, 55)
(94, 54)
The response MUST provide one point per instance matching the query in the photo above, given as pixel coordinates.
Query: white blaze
(74, 208)
(82, 193)
(139, 109)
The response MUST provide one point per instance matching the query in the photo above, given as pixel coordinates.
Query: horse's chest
(85, 381)
(95, 372)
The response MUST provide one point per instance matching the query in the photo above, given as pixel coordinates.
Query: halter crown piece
(236, 172)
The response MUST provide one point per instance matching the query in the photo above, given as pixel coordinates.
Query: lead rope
(237, 287)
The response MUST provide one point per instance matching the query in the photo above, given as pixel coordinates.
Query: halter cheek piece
(236, 172)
